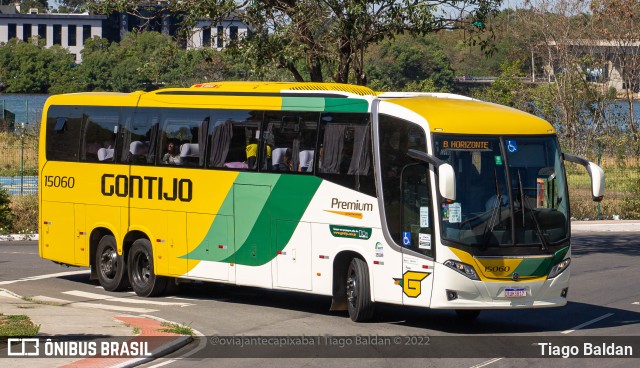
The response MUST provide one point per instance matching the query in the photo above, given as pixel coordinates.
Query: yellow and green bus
(432, 200)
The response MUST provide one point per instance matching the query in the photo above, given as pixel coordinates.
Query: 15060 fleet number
(59, 181)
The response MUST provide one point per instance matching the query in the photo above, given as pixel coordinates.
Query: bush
(6, 218)
(25, 213)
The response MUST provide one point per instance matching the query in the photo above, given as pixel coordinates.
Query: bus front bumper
(452, 290)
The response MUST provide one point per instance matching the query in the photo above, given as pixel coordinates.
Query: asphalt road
(604, 300)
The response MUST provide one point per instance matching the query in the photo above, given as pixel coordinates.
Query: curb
(19, 237)
(149, 328)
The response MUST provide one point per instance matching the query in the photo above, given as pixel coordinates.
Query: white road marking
(42, 277)
(180, 298)
(587, 323)
(636, 303)
(163, 363)
(486, 363)
(34, 254)
(70, 303)
(84, 294)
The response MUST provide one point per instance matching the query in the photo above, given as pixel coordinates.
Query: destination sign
(466, 145)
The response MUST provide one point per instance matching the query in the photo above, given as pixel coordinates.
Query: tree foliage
(325, 39)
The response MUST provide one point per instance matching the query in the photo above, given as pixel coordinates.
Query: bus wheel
(468, 314)
(111, 267)
(358, 291)
(143, 281)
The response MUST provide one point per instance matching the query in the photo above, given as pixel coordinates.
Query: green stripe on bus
(536, 267)
(345, 105)
(303, 103)
(288, 199)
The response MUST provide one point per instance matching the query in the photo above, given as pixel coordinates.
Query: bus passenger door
(252, 219)
(417, 236)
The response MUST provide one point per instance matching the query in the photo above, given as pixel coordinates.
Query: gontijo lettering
(149, 187)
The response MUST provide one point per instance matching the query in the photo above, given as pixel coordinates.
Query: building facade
(72, 30)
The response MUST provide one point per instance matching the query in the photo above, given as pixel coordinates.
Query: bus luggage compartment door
(252, 219)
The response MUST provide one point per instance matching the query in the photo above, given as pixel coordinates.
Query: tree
(408, 63)
(320, 39)
(41, 5)
(617, 22)
(70, 6)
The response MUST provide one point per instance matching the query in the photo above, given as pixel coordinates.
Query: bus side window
(185, 130)
(64, 130)
(231, 134)
(100, 130)
(344, 154)
(289, 141)
(141, 136)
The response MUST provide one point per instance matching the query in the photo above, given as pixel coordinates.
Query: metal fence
(19, 166)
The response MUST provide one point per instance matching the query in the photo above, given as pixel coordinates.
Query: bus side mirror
(447, 182)
(446, 174)
(595, 172)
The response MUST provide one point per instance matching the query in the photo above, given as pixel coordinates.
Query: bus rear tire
(468, 315)
(140, 267)
(110, 266)
(359, 302)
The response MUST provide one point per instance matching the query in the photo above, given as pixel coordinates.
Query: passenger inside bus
(171, 157)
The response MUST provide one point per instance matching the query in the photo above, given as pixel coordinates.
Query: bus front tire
(358, 291)
(110, 266)
(140, 266)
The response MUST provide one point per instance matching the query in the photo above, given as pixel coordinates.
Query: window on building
(26, 32)
(86, 33)
(71, 35)
(11, 32)
(233, 34)
(220, 37)
(57, 34)
(206, 36)
(42, 32)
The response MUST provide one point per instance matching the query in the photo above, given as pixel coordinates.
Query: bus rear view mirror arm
(446, 174)
(595, 172)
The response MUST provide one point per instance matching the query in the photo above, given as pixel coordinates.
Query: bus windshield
(511, 191)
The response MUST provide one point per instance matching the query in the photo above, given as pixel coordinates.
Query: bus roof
(469, 116)
(283, 87)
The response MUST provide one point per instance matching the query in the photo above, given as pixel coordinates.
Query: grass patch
(176, 328)
(17, 326)
(136, 330)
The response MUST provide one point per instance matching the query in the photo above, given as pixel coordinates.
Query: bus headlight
(559, 268)
(462, 268)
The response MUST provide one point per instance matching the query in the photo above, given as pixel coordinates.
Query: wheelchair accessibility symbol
(512, 146)
(406, 238)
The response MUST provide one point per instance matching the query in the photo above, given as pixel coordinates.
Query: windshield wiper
(525, 207)
(488, 229)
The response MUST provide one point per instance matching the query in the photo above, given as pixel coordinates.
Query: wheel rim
(142, 269)
(352, 288)
(109, 263)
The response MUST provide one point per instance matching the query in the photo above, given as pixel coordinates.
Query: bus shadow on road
(615, 243)
(513, 321)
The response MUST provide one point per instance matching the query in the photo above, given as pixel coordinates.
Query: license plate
(515, 293)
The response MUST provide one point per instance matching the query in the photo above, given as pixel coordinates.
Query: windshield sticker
(456, 145)
(445, 212)
(406, 238)
(512, 146)
(498, 160)
(455, 213)
(424, 241)
(424, 216)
